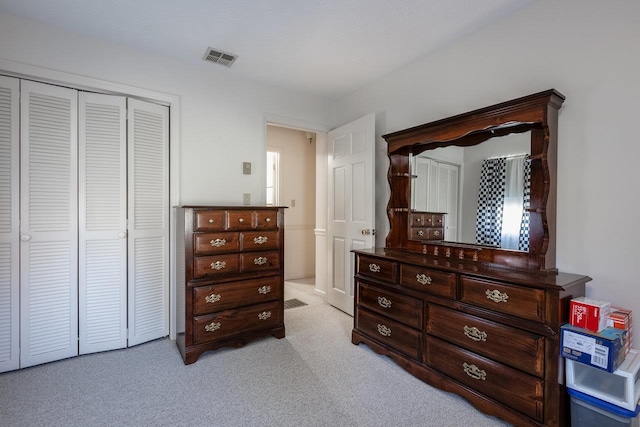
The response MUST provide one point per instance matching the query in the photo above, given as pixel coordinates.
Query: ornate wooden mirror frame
(537, 113)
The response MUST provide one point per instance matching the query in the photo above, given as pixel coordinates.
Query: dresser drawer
(209, 266)
(426, 233)
(252, 241)
(519, 301)
(240, 220)
(212, 243)
(426, 219)
(209, 220)
(231, 322)
(402, 308)
(394, 334)
(266, 219)
(212, 298)
(511, 387)
(511, 346)
(431, 281)
(377, 268)
(258, 261)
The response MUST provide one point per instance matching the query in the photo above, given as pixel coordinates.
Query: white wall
(298, 193)
(586, 49)
(222, 116)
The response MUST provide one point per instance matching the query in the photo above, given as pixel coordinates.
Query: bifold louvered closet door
(83, 222)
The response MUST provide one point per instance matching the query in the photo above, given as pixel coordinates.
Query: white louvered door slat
(49, 223)
(9, 219)
(102, 287)
(148, 213)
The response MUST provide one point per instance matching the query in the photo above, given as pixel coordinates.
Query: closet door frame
(173, 101)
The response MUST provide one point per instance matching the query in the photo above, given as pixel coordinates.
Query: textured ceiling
(324, 47)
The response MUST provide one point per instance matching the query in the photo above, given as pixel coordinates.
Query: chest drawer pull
(212, 327)
(475, 333)
(384, 331)
(423, 279)
(260, 240)
(436, 233)
(218, 265)
(261, 260)
(420, 233)
(264, 315)
(496, 296)
(218, 242)
(264, 289)
(210, 220)
(268, 219)
(213, 298)
(241, 220)
(374, 268)
(474, 372)
(384, 303)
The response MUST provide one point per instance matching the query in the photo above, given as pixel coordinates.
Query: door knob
(25, 237)
(366, 232)
(122, 235)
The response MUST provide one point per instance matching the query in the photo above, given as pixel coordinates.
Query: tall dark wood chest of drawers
(230, 276)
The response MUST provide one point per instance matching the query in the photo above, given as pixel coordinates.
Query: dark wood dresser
(478, 320)
(230, 276)
(488, 334)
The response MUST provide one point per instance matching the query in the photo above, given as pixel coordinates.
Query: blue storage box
(604, 350)
(587, 411)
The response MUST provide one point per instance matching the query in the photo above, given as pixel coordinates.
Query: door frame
(75, 81)
(320, 229)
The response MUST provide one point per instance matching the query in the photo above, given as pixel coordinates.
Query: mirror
(534, 118)
(447, 180)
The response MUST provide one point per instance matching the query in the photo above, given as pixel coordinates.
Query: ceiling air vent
(219, 57)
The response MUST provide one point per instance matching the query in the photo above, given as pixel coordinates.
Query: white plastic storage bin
(587, 411)
(620, 387)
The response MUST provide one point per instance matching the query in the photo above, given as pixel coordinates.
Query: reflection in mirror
(478, 210)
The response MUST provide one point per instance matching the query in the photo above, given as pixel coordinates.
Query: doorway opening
(291, 182)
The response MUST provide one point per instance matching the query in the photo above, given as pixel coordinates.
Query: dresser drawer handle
(384, 331)
(218, 242)
(241, 220)
(218, 265)
(264, 290)
(260, 240)
(436, 233)
(213, 298)
(474, 372)
(420, 233)
(210, 220)
(475, 333)
(268, 219)
(261, 260)
(374, 268)
(384, 303)
(496, 296)
(423, 279)
(212, 327)
(264, 315)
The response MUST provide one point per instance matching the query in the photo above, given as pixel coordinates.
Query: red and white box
(589, 313)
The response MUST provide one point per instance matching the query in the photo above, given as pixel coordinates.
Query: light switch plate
(246, 168)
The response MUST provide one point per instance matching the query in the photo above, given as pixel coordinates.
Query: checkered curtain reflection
(491, 201)
(493, 182)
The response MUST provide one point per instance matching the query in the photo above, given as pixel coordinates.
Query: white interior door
(9, 219)
(148, 215)
(48, 223)
(102, 287)
(351, 219)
